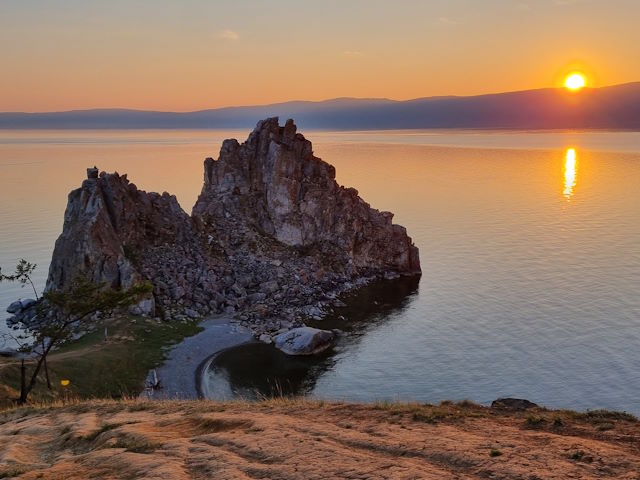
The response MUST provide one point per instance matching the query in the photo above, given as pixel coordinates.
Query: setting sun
(575, 81)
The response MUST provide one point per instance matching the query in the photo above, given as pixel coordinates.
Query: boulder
(513, 404)
(256, 297)
(269, 287)
(304, 341)
(27, 302)
(313, 311)
(147, 307)
(15, 307)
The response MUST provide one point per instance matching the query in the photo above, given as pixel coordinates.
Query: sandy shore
(178, 374)
(300, 439)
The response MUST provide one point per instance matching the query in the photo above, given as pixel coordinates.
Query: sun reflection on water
(569, 172)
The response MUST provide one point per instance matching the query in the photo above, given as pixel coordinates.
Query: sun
(575, 81)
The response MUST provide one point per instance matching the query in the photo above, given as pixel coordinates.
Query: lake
(529, 244)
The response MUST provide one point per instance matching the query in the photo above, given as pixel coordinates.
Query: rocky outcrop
(271, 238)
(24, 312)
(273, 184)
(117, 234)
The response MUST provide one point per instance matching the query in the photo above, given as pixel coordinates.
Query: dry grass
(292, 438)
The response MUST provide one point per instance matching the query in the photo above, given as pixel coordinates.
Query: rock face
(274, 184)
(112, 233)
(271, 236)
(304, 341)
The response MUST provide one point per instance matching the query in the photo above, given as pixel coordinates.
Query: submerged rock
(270, 233)
(304, 341)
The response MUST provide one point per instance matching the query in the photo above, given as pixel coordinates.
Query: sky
(197, 54)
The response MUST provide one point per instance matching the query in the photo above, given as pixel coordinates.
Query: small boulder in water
(15, 307)
(304, 341)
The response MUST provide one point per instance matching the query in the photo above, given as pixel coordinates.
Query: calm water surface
(529, 243)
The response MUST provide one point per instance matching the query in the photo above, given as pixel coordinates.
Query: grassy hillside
(97, 368)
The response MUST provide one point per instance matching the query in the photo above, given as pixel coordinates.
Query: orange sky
(191, 55)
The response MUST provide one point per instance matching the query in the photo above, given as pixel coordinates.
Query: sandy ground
(177, 375)
(298, 439)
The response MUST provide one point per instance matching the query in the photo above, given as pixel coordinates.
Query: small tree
(65, 312)
(22, 274)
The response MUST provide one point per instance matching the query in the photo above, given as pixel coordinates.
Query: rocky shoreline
(272, 241)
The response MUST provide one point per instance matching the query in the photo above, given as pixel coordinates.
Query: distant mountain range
(614, 107)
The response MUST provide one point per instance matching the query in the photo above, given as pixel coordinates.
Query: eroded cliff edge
(272, 238)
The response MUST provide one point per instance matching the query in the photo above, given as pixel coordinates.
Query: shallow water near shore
(529, 244)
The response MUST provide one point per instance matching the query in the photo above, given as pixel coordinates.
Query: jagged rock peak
(274, 184)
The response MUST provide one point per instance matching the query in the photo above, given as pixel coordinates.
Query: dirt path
(287, 439)
(55, 356)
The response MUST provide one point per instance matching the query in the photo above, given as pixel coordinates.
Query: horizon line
(285, 102)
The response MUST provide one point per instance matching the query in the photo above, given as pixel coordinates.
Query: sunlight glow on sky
(197, 54)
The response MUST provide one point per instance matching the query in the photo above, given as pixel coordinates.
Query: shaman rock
(271, 233)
